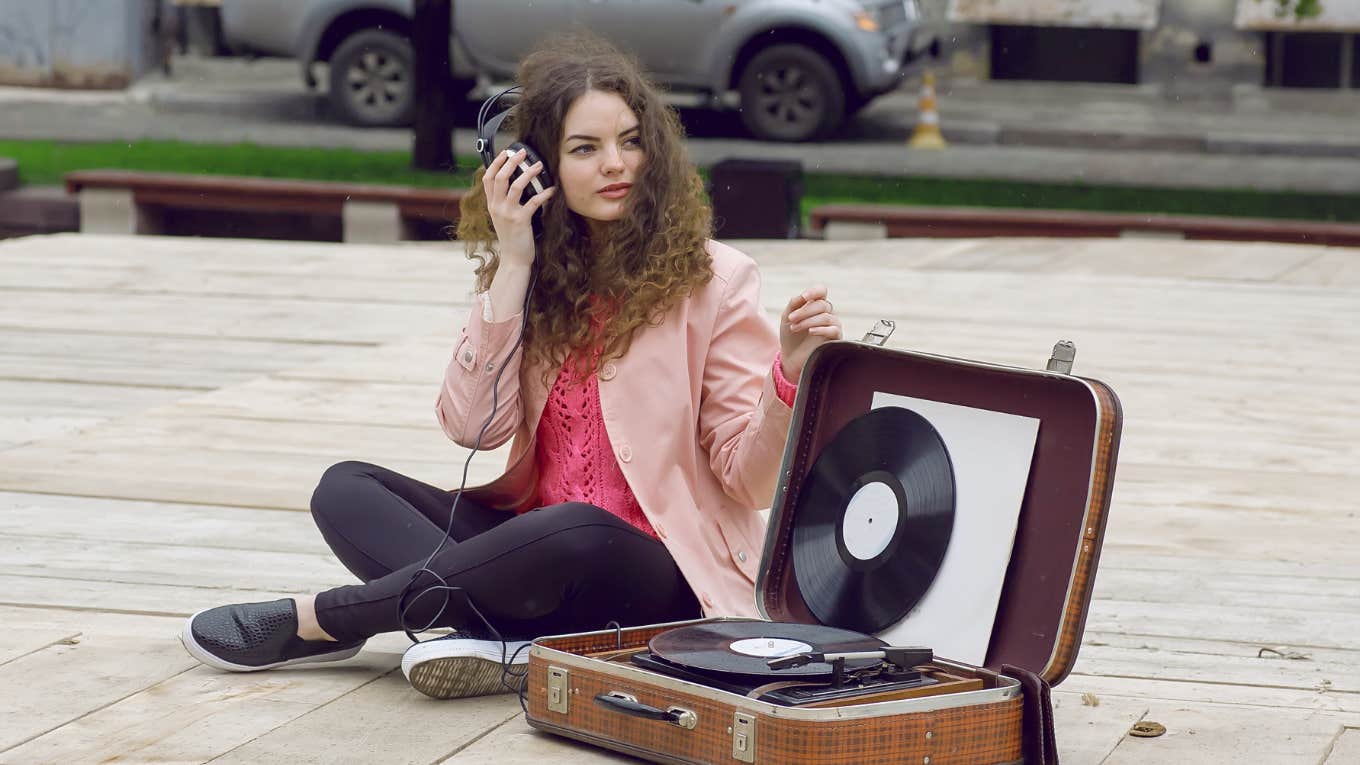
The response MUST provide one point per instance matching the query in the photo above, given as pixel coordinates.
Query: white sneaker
(459, 665)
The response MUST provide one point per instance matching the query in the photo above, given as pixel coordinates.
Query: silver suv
(795, 68)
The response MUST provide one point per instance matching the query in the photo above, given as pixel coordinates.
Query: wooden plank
(324, 401)
(94, 283)
(108, 520)
(1346, 749)
(191, 363)
(19, 398)
(33, 411)
(249, 318)
(191, 716)
(1346, 705)
(313, 568)
(1308, 569)
(1196, 734)
(1269, 627)
(1087, 730)
(1169, 259)
(77, 680)
(132, 599)
(279, 476)
(516, 742)
(17, 641)
(166, 253)
(1242, 590)
(383, 721)
(1213, 661)
(1337, 268)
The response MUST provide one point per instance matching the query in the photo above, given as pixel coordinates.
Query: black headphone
(486, 146)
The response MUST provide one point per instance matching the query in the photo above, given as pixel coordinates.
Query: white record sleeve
(991, 454)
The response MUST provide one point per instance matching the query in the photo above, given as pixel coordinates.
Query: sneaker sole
(474, 670)
(196, 650)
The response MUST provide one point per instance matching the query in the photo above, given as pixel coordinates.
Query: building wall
(1168, 50)
(76, 43)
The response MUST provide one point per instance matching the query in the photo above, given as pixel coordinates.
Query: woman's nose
(612, 159)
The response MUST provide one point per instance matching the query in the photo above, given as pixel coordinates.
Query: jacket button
(608, 372)
(467, 356)
(741, 555)
(626, 453)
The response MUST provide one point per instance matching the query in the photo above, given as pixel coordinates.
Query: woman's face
(600, 156)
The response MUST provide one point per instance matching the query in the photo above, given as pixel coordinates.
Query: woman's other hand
(513, 221)
(808, 321)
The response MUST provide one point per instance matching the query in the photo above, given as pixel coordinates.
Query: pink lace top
(575, 460)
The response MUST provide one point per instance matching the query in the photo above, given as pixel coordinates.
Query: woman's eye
(582, 149)
(634, 141)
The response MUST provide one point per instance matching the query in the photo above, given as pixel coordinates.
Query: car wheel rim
(788, 98)
(377, 82)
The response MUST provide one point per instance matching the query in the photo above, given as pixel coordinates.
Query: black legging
(566, 568)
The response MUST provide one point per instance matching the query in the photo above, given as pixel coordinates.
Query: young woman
(629, 360)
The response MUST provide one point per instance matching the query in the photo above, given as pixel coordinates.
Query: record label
(871, 521)
(769, 648)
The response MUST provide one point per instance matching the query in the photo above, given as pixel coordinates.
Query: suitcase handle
(627, 703)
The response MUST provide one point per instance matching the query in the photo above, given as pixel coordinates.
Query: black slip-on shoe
(252, 636)
(461, 664)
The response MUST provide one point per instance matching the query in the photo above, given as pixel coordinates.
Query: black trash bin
(756, 198)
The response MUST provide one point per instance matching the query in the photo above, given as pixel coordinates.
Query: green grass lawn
(45, 162)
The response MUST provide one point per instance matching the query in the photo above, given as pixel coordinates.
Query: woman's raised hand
(808, 321)
(513, 221)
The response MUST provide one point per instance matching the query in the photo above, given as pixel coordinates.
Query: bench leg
(107, 211)
(372, 223)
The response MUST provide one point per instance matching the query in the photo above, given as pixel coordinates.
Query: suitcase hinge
(743, 732)
(1064, 353)
(879, 334)
(559, 682)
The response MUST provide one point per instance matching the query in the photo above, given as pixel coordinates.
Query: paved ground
(1127, 135)
(166, 406)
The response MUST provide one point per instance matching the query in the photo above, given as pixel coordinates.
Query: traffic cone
(927, 133)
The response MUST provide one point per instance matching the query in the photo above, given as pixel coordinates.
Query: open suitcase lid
(1048, 581)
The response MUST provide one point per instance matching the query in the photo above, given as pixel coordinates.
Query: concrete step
(37, 210)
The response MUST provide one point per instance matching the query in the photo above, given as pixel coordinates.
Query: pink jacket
(691, 414)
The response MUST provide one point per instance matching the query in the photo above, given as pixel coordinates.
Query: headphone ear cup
(540, 182)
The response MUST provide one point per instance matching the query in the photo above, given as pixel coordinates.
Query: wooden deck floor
(166, 406)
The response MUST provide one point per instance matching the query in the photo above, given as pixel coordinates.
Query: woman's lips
(615, 192)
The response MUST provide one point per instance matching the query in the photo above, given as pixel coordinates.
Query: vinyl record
(874, 520)
(745, 648)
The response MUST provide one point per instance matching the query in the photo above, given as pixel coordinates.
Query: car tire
(372, 79)
(790, 93)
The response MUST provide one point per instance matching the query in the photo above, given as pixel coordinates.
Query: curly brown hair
(594, 295)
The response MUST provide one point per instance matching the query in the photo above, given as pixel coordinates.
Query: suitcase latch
(1064, 353)
(879, 333)
(743, 732)
(558, 689)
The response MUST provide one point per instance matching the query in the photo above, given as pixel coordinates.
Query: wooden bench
(842, 221)
(123, 202)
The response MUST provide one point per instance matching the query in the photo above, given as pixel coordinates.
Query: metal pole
(432, 82)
